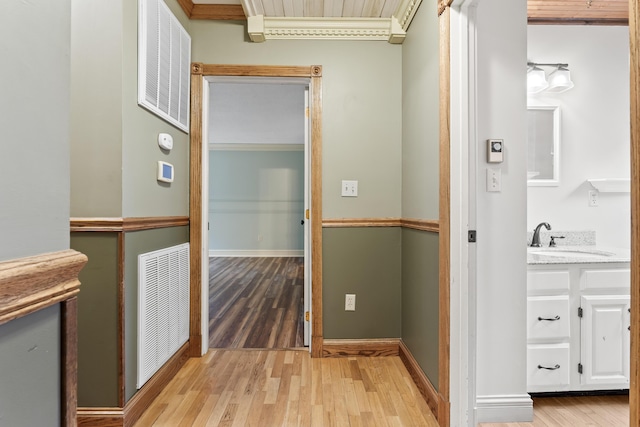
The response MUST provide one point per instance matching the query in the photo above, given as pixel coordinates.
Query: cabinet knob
(549, 368)
(549, 319)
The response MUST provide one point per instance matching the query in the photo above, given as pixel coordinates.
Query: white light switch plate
(349, 188)
(494, 180)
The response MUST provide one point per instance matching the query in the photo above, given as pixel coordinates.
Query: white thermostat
(165, 171)
(165, 141)
(494, 150)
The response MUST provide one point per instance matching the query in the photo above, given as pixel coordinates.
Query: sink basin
(570, 253)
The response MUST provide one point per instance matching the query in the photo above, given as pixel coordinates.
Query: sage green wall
(34, 118)
(114, 150)
(34, 195)
(365, 261)
(96, 112)
(256, 200)
(136, 243)
(30, 369)
(420, 299)
(361, 101)
(142, 194)
(420, 115)
(98, 309)
(98, 319)
(420, 187)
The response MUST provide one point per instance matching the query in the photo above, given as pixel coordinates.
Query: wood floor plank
(266, 388)
(579, 411)
(256, 302)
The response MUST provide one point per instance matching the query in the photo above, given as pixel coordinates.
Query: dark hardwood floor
(256, 302)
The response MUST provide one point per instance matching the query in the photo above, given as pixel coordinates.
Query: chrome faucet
(535, 241)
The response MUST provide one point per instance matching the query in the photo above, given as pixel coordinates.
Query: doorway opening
(308, 81)
(257, 133)
(580, 214)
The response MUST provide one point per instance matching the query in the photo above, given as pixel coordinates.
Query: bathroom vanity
(578, 318)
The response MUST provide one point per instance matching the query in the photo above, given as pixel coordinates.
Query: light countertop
(589, 254)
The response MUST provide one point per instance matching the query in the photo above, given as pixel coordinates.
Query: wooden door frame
(444, 250)
(199, 72)
(634, 49)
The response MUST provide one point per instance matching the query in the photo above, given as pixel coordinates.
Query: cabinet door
(605, 339)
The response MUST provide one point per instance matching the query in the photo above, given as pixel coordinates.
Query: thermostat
(165, 171)
(165, 141)
(494, 150)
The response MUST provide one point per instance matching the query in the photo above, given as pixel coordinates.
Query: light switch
(494, 180)
(349, 188)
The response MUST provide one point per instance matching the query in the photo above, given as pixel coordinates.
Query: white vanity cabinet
(578, 327)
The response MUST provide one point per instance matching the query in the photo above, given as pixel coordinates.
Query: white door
(307, 222)
(605, 339)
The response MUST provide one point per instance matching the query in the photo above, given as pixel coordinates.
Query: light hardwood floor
(256, 302)
(270, 388)
(584, 411)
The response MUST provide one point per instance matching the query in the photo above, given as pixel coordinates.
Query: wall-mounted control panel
(165, 171)
(165, 141)
(495, 148)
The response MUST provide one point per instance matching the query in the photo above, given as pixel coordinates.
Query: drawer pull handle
(548, 368)
(550, 319)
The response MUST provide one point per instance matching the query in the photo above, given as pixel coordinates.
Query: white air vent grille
(163, 307)
(164, 57)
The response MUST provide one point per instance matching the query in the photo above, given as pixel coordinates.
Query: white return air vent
(164, 62)
(163, 307)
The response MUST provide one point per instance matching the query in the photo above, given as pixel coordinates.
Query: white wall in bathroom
(594, 129)
(501, 260)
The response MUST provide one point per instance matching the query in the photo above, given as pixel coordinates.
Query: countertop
(576, 255)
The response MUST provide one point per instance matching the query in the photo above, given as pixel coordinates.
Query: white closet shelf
(611, 185)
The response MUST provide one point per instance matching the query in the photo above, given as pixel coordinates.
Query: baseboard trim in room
(102, 417)
(255, 253)
(133, 410)
(434, 400)
(360, 347)
(504, 408)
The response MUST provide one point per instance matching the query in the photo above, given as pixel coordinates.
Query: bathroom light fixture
(536, 79)
(559, 80)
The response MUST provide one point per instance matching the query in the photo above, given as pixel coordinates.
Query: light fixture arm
(538, 64)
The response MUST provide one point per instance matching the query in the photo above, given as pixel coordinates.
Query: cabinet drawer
(548, 280)
(548, 317)
(605, 279)
(548, 367)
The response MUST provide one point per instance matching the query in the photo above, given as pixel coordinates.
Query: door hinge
(307, 213)
(579, 368)
(579, 311)
(306, 316)
(472, 234)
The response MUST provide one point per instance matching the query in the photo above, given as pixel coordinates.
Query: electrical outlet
(350, 302)
(593, 198)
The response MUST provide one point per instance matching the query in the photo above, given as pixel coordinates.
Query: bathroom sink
(570, 253)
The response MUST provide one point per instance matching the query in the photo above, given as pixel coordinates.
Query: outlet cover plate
(350, 302)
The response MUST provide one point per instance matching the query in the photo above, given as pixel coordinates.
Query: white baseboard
(504, 408)
(256, 253)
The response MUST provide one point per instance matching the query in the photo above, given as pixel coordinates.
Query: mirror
(543, 146)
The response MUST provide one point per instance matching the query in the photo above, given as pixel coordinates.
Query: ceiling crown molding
(261, 28)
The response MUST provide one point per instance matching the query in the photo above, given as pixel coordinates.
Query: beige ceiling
(376, 19)
(318, 19)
